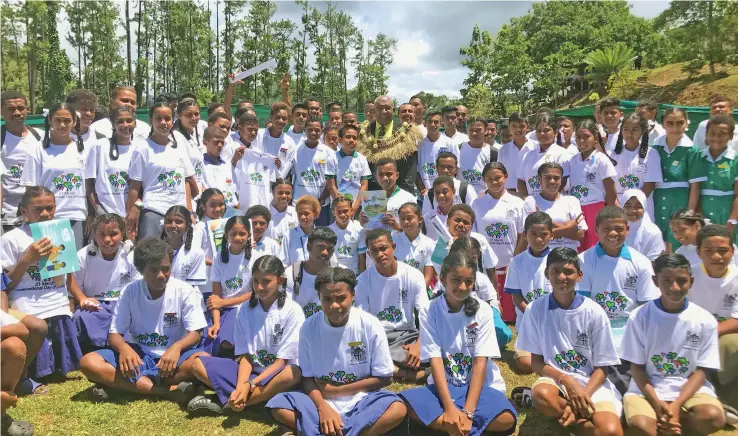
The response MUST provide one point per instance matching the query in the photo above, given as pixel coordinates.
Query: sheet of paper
(268, 65)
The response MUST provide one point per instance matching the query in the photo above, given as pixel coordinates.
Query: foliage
(479, 100)
(604, 63)
(622, 84)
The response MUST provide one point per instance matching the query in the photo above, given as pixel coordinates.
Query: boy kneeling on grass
(570, 343)
(165, 320)
(672, 345)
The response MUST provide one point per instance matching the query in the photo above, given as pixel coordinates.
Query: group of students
(570, 222)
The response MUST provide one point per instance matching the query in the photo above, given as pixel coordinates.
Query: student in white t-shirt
(301, 275)
(253, 170)
(58, 162)
(121, 95)
(572, 347)
(672, 345)
(210, 206)
(105, 268)
(284, 215)
(448, 113)
(386, 175)
(217, 173)
(293, 247)
(461, 219)
(231, 281)
(262, 244)
(685, 225)
(350, 246)
(475, 154)
(545, 150)
(188, 116)
(466, 392)
(274, 141)
(511, 154)
(643, 235)
(636, 164)
(429, 148)
(348, 171)
(344, 372)
(411, 245)
(188, 262)
(392, 291)
(592, 178)
(107, 165)
(161, 173)
(447, 165)
(565, 136)
(610, 115)
(444, 193)
(526, 277)
(44, 299)
(17, 139)
(163, 319)
(299, 117)
(719, 105)
(565, 211)
(649, 110)
(266, 340)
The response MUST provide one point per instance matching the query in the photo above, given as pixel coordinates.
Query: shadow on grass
(117, 397)
(534, 423)
(253, 414)
(58, 378)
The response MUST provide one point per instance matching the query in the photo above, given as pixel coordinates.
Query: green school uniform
(679, 168)
(718, 191)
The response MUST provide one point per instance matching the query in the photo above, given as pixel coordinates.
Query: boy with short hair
(347, 173)
(447, 165)
(649, 110)
(719, 105)
(392, 291)
(610, 114)
(386, 176)
(672, 345)
(253, 170)
(216, 173)
(715, 289)
(571, 346)
(526, 277)
(476, 154)
(299, 117)
(429, 148)
(511, 154)
(449, 117)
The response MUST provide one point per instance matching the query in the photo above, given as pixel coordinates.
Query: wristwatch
(468, 414)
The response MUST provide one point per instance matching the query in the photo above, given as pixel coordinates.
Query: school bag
(297, 274)
(33, 132)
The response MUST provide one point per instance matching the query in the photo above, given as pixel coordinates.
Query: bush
(693, 67)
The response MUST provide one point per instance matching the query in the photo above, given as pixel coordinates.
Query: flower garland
(401, 144)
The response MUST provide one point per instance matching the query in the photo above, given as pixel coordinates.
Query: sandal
(12, 427)
(184, 392)
(203, 406)
(98, 394)
(522, 397)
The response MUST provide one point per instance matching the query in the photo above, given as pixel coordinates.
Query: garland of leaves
(401, 144)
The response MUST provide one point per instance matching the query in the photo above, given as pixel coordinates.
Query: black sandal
(203, 406)
(98, 394)
(12, 427)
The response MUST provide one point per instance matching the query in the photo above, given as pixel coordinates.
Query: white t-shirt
(645, 237)
(309, 167)
(281, 147)
(282, 222)
(111, 176)
(350, 244)
(235, 276)
(105, 279)
(587, 177)
(428, 152)
(157, 324)
(512, 157)
(392, 299)
(14, 151)
(253, 175)
(612, 139)
(502, 221)
(33, 296)
(265, 336)
(189, 266)
(195, 151)
(526, 276)
(632, 172)
(618, 284)
(457, 339)
(483, 289)
(104, 126)
(671, 346)
(701, 134)
(719, 296)
(266, 246)
(690, 252)
(162, 171)
(307, 298)
(348, 171)
(528, 171)
(296, 137)
(458, 138)
(575, 340)
(655, 131)
(344, 354)
(220, 175)
(416, 253)
(293, 247)
(437, 217)
(471, 163)
(61, 168)
(471, 195)
(562, 210)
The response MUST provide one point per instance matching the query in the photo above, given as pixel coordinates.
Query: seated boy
(392, 291)
(526, 276)
(672, 345)
(164, 318)
(570, 343)
(715, 289)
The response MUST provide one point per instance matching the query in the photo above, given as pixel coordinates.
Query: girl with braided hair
(188, 261)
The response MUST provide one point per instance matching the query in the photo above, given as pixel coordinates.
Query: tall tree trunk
(217, 45)
(711, 27)
(128, 41)
(31, 42)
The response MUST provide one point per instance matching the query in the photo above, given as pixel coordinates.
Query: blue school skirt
(424, 401)
(223, 375)
(60, 350)
(148, 369)
(93, 327)
(227, 329)
(364, 414)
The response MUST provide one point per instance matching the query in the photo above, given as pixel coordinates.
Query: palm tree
(602, 64)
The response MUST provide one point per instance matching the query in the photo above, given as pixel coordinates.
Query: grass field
(68, 411)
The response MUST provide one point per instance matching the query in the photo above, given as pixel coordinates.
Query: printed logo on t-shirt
(262, 358)
(310, 176)
(670, 363)
(591, 177)
(570, 360)
(403, 296)
(457, 367)
(68, 182)
(198, 169)
(16, 171)
(170, 179)
(429, 169)
(171, 319)
(343, 251)
(675, 168)
(692, 341)
(496, 232)
(357, 353)
(152, 339)
(118, 180)
(472, 330)
(579, 191)
(311, 309)
(472, 175)
(186, 269)
(349, 174)
(35, 274)
(339, 377)
(629, 181)
(534, 182)
(256, 177)
(234, 283)
(391, 314)
(534, 294)
(612, 301)
(582, 340)
(728, 301)
(277, 334)
(413, 263)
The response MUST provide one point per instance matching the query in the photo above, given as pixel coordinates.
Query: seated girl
(344, 372)
(266, 334)
(644, 236)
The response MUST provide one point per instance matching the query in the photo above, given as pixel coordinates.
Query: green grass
(68, 411)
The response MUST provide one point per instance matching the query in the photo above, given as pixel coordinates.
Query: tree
(57, 65)
(478, 59)
(602, 64)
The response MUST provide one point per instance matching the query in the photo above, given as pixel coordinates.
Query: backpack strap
(431, 198)
(99, 135)
(2, 135)
(31, 130)
(297, 276)
(462, 191)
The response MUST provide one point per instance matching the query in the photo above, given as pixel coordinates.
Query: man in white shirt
(448, 114)
(274, 141)
(419, 106)
(462, 114)
(649, 110)
(430, 147)
(719, 105)
(490, 136)
(299, 117)
(123, 95)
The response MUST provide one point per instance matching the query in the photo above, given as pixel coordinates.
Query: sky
(429, 34)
